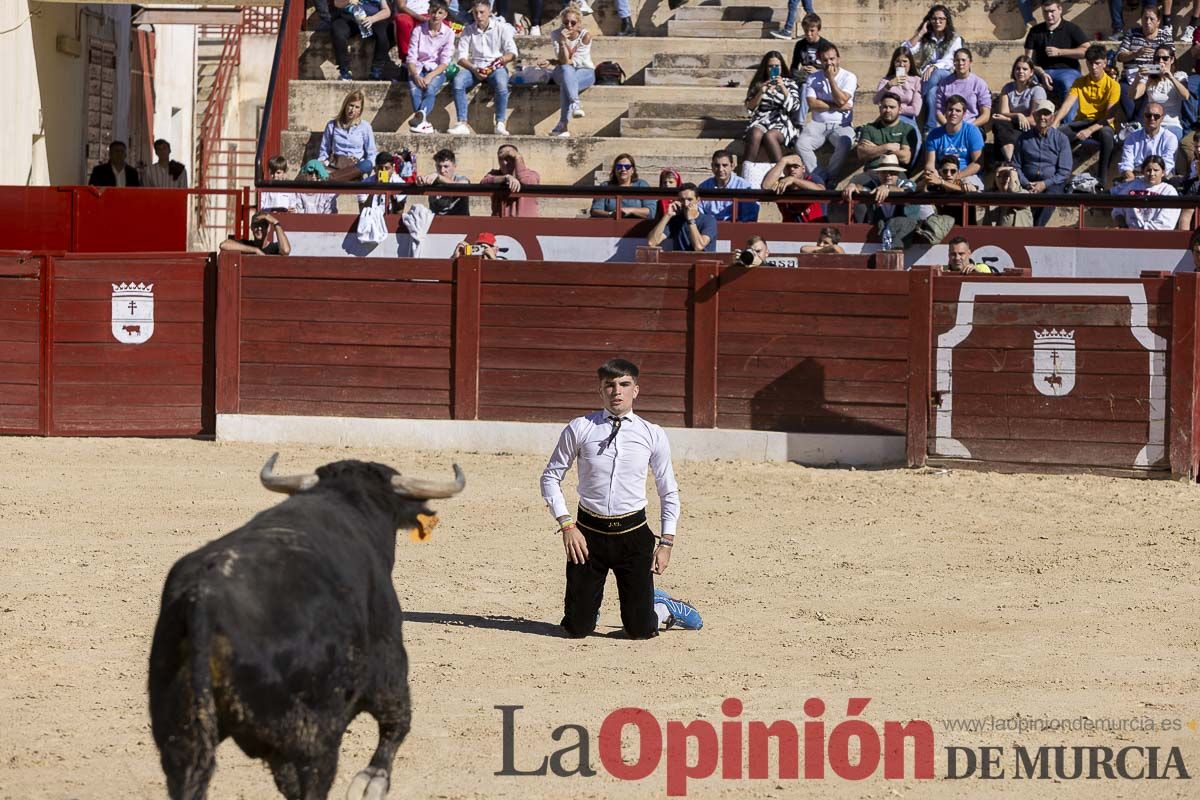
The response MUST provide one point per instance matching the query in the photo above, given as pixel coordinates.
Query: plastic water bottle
(360, 16)
(887, 238)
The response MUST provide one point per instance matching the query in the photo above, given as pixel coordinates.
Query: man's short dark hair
(157, 142)
(1096, 52)
(445, 154)
(891, 96)
(277, 164)
(684, 186)
(436, 4)
(1051, 3)
(958, 240)
(383, 159)
(617, 368)
(1194, 242)
(948, 158)
(825, 48)
(956, 99)
(506, 145)
(809, 20)
(722, 153)
(259, 220)
(116, 143)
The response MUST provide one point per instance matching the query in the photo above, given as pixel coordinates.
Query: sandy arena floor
(959, 595)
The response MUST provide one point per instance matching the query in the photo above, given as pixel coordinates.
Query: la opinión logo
(729, 745)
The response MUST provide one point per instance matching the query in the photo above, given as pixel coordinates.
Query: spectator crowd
(1076, 115)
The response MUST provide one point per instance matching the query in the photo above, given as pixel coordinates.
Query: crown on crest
(133, 289)
(1053, 336)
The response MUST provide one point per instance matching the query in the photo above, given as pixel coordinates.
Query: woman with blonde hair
(575, 71)
(348, 142)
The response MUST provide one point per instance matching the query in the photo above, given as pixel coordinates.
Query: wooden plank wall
(344, 337)
(821, 351)
(545, 327)
(102, 387)
(1000, 416)
(20, 343)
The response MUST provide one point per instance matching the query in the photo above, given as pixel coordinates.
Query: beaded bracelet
(665, 543)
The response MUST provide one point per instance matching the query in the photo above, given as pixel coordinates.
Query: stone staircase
(688, 71)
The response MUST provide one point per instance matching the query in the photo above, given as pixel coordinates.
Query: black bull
(280, 633)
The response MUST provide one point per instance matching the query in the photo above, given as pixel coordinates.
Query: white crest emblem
(1054, 362)
(132, 312)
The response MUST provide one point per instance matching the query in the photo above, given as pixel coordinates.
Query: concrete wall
(175, 91)
(43, 127)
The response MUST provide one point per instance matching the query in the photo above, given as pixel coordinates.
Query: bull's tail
(183, 713)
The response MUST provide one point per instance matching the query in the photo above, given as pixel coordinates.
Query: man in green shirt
(887, 135)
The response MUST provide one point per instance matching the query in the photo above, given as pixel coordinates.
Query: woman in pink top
(903, 79)
(429, 54)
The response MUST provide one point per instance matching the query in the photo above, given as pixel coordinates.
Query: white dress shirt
(158, 176)
(483, 47)
(612, 479)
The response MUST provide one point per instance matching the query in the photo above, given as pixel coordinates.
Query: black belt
(624, 523)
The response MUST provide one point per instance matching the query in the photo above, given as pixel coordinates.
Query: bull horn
(285, 484)
(421, 489)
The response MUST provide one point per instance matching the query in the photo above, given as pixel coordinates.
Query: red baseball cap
(486, 238)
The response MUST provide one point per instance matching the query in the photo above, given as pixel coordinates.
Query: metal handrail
(285, 67)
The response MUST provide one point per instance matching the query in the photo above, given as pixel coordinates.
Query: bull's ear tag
(425, 525)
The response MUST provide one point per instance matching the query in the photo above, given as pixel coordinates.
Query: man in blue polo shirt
(685, 227)
(957, 138)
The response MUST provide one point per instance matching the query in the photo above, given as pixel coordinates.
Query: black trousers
(1105, 137)
(630, 556)
(345, 27)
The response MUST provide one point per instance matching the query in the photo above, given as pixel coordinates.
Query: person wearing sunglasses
(575, 71)
(959, 139)
(1152, 139)
(1137, 50)
(624, 174)
(1160, 83)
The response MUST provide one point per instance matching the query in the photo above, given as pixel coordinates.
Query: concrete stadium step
(560, 161)
(708, 128)
(725, 29)
(633, 53)
(532, 109)
(695, 109)
(868, 60)
(888, 20)
(739, 60)
(716, 13)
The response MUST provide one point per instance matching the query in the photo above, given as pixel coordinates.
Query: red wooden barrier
(131, 350)
(544, 327)
(336, 336)
(1054, 373)
(813, 350)
(21, 358)
(1011, 372)
(87, 219)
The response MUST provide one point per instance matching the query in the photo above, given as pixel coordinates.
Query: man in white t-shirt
(830, 94)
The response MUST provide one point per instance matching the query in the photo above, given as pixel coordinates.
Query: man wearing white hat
(1042, 157)
(887, 177)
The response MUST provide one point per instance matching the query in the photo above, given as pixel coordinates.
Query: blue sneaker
(683, 613)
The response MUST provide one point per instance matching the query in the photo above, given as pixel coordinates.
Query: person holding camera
(484, 247)
(1160, 83)
(1137, 51)
(755, 254)
(685, 227)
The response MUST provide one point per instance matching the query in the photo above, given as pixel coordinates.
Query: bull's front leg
(395, 719)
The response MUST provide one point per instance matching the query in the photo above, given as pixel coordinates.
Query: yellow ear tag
(425, 525)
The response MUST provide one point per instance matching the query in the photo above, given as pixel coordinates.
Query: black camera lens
(746, 257)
